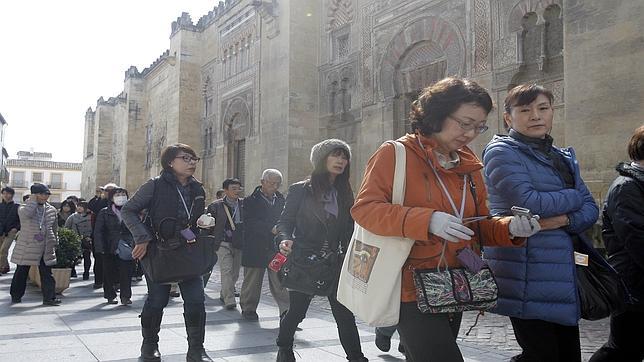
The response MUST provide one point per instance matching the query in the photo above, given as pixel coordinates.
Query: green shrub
(68, 250)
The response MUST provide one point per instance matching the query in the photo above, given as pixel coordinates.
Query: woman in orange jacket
(446, 117)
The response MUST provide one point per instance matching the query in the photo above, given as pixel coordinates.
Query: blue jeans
(191, 292)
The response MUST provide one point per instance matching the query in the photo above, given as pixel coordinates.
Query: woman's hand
(139, 250)
(449, 227)
(523, 226)
(286, 246)
(554, 222)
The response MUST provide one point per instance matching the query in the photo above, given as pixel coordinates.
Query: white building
(62, 178)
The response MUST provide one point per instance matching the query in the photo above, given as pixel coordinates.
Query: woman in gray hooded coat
(36, 245)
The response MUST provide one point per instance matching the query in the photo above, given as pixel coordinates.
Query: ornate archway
(236, 127)
(425, 51)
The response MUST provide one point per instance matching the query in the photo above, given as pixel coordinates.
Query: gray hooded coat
(28, 250)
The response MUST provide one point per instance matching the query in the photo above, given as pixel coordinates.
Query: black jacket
(304, 221)
(216, 210)
(9, 217)
(165, 208)
(259, 219)
(623, 227)
(108, 231)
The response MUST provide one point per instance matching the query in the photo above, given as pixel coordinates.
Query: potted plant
(68, 252)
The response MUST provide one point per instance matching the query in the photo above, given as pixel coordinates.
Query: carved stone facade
(253, 84)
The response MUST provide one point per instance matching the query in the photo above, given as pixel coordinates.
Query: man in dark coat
(9, 226)
(262, 210)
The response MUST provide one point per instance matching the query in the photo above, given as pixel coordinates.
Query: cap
(110, 185)
(40, 189)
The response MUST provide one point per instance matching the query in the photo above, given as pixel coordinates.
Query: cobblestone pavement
(84, 328)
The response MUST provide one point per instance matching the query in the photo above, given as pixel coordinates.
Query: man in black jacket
(262, 209)
(9, 226)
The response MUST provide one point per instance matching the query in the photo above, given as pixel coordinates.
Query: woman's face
(336, 162)
(184, 168)
(460, 127)
(532, 120)
(66, 208)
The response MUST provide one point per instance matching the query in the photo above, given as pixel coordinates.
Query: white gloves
(524, 227)
(449, 227)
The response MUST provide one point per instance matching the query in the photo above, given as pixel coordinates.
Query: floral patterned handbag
(451, 290)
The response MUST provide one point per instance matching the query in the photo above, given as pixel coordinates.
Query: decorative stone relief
(443, 41)
(505, 51)
(367, 60)
(340, 14)
(481, 35)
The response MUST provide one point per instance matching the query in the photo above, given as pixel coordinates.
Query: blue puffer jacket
(537, 281)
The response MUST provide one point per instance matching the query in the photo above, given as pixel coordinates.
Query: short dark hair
(636, 145)
(8, 190)
(438, 101)
(525, 94)
(219, 194)
(83, 204)
(170, 152)
(230, 181)
(25, 197)
(111, 192)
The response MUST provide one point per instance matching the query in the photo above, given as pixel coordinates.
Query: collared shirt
(270, 200)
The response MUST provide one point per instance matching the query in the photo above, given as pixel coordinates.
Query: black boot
(285, 354)
(196, 330)
(150, 326)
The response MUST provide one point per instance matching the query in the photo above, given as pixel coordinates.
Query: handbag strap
(398, 189)
(476, 209)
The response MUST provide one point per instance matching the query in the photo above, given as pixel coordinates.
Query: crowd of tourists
(432, 232)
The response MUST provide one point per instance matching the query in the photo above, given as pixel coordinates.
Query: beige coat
(28, 250)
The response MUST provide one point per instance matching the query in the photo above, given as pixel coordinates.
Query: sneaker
(383, 342)
(112, 301)
(250, 315)
(53, 302)
(126, 301)
(230, 306)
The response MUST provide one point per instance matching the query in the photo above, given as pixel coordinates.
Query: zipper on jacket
(427, 188)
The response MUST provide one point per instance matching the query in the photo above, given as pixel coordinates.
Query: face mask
(120, 200)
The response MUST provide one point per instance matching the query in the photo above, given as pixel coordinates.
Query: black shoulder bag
(309, 271)
(170, 258)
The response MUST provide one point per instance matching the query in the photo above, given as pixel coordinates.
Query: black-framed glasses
(188, 158)
(467, 126)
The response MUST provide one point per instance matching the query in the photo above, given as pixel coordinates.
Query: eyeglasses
(466, 126)
(188, 158)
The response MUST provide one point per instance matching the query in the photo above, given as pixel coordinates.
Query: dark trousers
(87, 262)
(429, 337)
(546, 341)
(191, 292)
(47, 282)
(346, 323)
(98, 267)
(118, 271)
(625, 343)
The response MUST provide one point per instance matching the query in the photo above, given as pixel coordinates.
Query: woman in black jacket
(109, 232)
(623, 233)
(316, 222)
(174, 200)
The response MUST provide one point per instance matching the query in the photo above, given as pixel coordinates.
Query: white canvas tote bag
(370, 280)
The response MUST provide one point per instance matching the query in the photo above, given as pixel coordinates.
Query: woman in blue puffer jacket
(537, 282)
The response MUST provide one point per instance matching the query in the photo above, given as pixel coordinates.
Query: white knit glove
(524, 227)
(449, 227)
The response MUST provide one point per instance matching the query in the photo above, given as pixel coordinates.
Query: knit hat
(322, 149)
